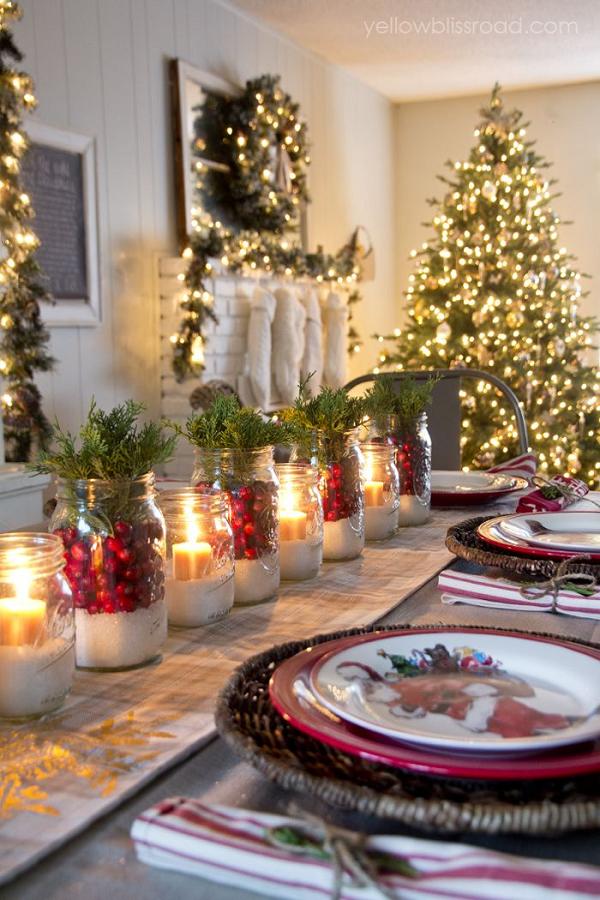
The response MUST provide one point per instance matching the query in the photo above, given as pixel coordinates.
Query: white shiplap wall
(100, 68)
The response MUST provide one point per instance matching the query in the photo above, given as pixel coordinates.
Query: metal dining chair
(445, 413)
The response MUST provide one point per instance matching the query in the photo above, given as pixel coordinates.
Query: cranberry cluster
(340, 490)
(114, 573)
(254, 519)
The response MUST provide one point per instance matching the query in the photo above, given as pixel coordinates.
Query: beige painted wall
(100, 68)
(564, 120)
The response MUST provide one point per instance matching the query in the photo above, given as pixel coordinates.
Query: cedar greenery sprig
(110, 446)
(228, 425)
(404, 398)
(323, 420)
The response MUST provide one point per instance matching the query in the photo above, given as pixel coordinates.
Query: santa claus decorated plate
(454, 690)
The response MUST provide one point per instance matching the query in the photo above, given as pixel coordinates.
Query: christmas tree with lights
(23, 338)
(494, 290)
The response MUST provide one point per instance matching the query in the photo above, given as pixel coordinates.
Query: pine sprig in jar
(113, 533)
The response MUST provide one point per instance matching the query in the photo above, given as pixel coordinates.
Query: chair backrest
(445, 413)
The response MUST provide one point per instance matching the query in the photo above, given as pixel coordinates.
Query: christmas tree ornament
(442, 333)
(559, 347)
(510, 302)
(489, 191)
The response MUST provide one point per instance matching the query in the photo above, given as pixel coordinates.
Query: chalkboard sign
(59, 176)
(53, 179)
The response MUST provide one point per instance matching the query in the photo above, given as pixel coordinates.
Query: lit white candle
(196, 593)
(36, 670)
(300, 556)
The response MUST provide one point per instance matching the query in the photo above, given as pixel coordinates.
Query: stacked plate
(471, 488)
(480, 704)
(557, 535)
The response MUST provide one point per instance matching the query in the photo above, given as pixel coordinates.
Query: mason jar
(413, 457)
(199, 569)
(114, 538)
(249, 479)
(300, 521)
(340, 462)
(37, 634)
(382, 491)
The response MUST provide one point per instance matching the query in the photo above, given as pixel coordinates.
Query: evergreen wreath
(23, 337)
(265, 147)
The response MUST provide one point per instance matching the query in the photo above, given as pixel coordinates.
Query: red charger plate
(448, 497)
(486, 533)
(290, 693)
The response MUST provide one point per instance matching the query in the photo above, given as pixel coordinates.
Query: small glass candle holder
(200, 583)
(37, 634)
(300, 522)
(382, 491)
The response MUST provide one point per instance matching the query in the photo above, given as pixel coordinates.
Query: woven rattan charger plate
(249, 723)
(464, 541)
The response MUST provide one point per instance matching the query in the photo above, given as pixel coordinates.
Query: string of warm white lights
(494, 290)
(23, 338)
(266, 143)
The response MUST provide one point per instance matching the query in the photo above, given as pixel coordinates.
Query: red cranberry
(251, 553)
(79, 551)
(249, 529)
(123, 530)
(109, 607)
(132, 573)
(126, 556)
(92, 609)
(113, 545)
(110, 565)
(69, 535)
(124, 589)
(127, 604)
(336, 470)
(245, 492)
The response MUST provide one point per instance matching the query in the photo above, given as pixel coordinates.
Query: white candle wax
(412, 511)
(254, 583)
(35, 680)
(380, 522)
(374, 493)
(191, 560)
(119, 640)
(199, 602)
(300, 560)
(341, 541)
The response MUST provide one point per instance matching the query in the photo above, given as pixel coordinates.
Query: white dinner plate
(576, 531)
(460, 691)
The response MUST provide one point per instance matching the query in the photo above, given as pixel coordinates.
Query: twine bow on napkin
(346, 850)
(552, 488)
(581, 582)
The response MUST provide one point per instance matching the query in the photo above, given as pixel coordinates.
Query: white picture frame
(86, 310)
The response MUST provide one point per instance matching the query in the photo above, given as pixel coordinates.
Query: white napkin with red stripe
(501, 592)
(231, 846)
(524, 466)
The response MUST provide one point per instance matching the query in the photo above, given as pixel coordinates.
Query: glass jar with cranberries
(114, 538)
(249, 479)
(340, 461)
(413, 442)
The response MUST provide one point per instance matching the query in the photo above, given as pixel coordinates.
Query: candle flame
(368, 470)
(191, 523)
(22, 576)
(287, 498)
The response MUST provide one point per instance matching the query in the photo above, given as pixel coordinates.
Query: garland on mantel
(265, 147)
(23, 338)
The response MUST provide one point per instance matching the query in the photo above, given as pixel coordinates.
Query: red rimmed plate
(292, 697)
(471, 488)
(495, 532)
